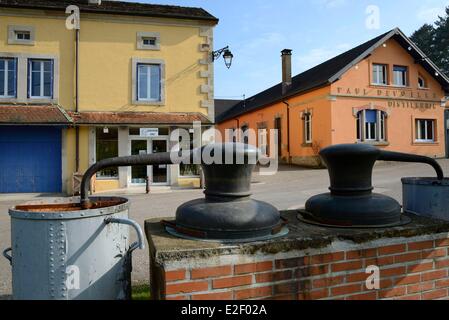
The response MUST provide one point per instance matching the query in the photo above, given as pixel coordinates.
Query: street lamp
(227, 56)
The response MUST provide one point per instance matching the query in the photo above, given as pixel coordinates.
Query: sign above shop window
(149, 132)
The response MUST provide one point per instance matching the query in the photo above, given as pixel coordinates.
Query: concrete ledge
(292, 267)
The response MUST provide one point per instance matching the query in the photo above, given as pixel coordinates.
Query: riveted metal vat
(427, 197)
(61, 252)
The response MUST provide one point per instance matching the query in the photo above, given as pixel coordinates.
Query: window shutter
(29, 79)
(371, 116)
(52, 77)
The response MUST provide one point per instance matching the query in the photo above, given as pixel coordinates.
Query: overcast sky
(316, 30)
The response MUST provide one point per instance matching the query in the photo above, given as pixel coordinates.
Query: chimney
(286, 70)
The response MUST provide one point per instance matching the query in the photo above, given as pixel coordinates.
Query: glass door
(139, 174)
(159, 172)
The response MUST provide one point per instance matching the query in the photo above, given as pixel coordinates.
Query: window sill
(307, 145)
(148, 103)
(375, 143)
(424, 89)
(148, 47)
(189, 177)
(107, 179)
(426, 143)
(391, 86)
(21, 42)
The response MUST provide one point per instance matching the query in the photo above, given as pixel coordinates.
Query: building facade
(384, 92)
(117, 86)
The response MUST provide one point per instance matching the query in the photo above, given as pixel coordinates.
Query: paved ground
(288, 189)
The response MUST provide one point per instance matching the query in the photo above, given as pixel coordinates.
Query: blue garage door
(30, 159)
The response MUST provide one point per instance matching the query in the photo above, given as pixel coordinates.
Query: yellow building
(116, 86)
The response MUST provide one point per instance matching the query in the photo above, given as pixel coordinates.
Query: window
(307, 127)
(400, 76)
(40, 73)
(148, 41)
(8, 78)
(245, 134)
(188, 170)
(107, 147)
(425, 130)
(149, 82)
(263, 141)
(380, 74)
(23, 35)
(371, 125)
(421, 82)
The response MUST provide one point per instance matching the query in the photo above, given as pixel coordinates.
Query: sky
(316, 30)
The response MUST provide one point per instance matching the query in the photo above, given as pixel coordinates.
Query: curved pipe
(404, 157)
(148, 159)
(139, 244)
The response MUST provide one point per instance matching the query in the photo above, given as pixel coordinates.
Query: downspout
(288, 129)
(238, 130)
(77, 130)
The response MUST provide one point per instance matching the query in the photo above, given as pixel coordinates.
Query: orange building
(385, 92)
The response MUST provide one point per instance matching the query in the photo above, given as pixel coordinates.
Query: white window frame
(400, 75)
(6, 82)
(308, 128)
(135, 82)
(148, 67)
(377, 67)
(380, 129)
(14, 30)
(263, 141)
(42, 73)
(424, 81)
(426, 139)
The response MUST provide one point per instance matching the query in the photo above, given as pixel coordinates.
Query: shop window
(371, 125)
(40, 82)
(307, 118)
(380, 74)
(188, 170)
(149, 82)
(263, 141)
(8, 78)
(425, 130)
(400, 76)
(107, 147)
(422, 84)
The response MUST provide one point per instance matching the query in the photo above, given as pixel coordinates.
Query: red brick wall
(413, 270)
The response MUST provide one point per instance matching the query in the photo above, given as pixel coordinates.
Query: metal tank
(428, 197)
(61, 252)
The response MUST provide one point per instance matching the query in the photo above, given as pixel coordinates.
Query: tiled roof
(12, 114)
(130, 118)
(51, 114)
(327, 73)
(223, 105)
(115, 7)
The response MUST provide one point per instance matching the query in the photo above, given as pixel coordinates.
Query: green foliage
(433, 40)
(141, 292)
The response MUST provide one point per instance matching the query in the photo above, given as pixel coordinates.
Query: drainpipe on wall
(77, 130)
(238, 130)
(288, 129)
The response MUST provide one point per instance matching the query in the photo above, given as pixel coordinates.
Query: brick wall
(414, 268)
